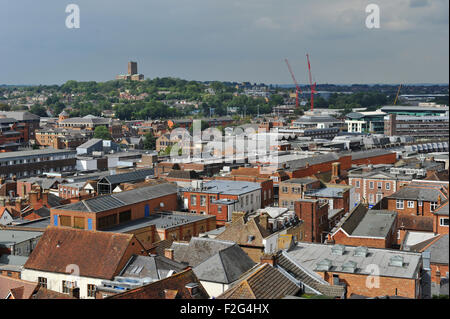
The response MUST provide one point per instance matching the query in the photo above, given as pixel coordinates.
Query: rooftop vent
(324, 265)
(361, 251)
(338, 249)
(396, 261)
(349, 266)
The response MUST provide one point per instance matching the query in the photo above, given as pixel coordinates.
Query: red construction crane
(313, 86)
(297, 87)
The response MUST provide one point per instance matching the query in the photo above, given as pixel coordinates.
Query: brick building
(110, 210)
(369, 228)
(36, 162)
(222, 198)
(399, 272)
(314, 214)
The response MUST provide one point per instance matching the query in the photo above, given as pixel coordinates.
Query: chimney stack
(269, 259)
(168, 253)
(335, 170)
(45, 197)
(33, 197)
(18, 205)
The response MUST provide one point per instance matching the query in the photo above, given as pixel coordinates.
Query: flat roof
(162, 220)
(9, 237)
(335, 192)
(375, 223)
(39, 152)
(227, 187)
(309, 254)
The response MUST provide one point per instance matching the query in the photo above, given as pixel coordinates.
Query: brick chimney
(168, 253)
(33, 196)
(335, 170)
(18, 205)
(268, 259)
(45, 197)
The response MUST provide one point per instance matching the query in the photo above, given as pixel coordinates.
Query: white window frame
(433, 206)
(411, 204)
(441, 220)
(387, 186)
(398, 202)
(371, 185)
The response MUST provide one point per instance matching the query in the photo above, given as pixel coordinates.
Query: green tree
(39, 110)
(149, 141)
(102, 132)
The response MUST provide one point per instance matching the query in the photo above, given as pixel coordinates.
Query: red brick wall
(311, 213)
(388, 286)
(341, 238)
(380, 159)
(437, 228)
(423, 210)
(137, 210)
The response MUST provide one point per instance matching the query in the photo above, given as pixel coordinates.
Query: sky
(225, 40)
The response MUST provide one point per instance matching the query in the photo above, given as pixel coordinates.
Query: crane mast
(313, 86)
(297, 87)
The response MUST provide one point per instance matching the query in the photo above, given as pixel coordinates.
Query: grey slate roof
(90, 143)
(198, 250)
(20, 116)
(308, 277)
(442, 210)
(439, 250)
(155, 267)
(418, 192)
(229, 187)
(128, 177)
(224, 267)
(309, 254)
(370, 223)
(107, 202)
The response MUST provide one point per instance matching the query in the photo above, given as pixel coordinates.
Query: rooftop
(310, 255)
(108, 202)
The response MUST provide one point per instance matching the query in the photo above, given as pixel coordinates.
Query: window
(379, 197)
(399, 204)
(443, 221)
(202, 200)
(65, 221)
(357, 184)
(371, 199)
(65, 287)
(125, 216)
(419, 203)
(219, 209)
(371, 185)
(387, 186)
(379, 185)
(193, 200)
(284, 189)
(433, 206)
(90, 290)
(410, 204)
(107, 221)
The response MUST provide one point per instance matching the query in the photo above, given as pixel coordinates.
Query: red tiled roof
(20, 289)
(97, 254)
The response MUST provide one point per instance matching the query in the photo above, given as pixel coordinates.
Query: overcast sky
(226, 40)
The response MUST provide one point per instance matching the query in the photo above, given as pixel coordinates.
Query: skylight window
(324, 265)
(338, 250)
(396, 261)
(361, 251)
